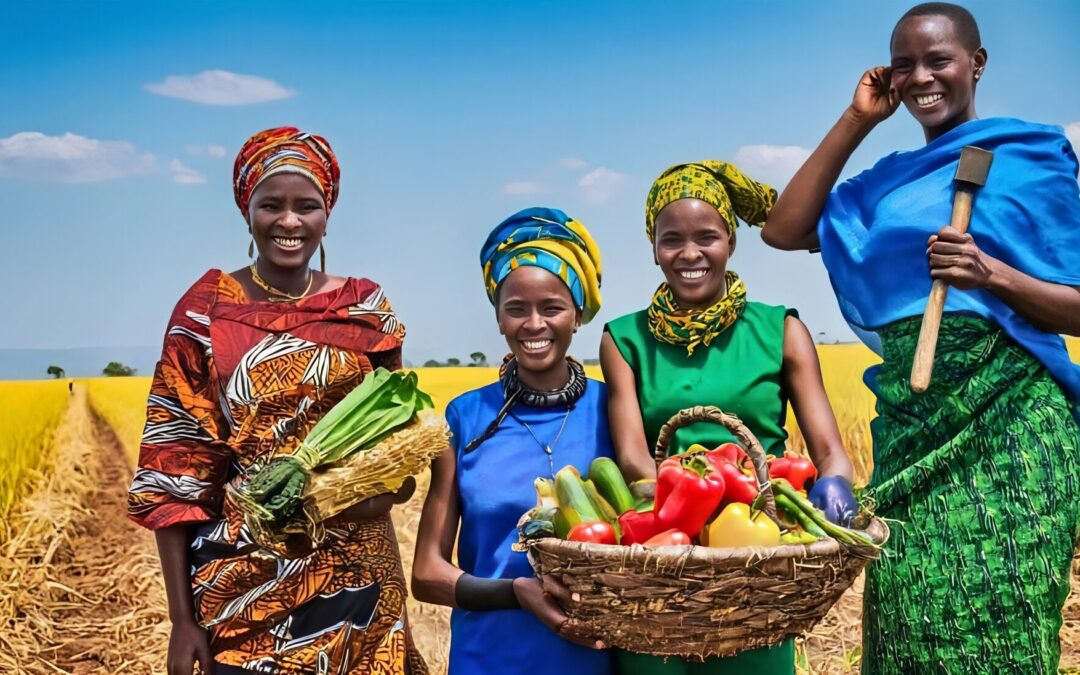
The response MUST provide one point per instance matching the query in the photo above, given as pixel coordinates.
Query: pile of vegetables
(705, 497)
(384, 403)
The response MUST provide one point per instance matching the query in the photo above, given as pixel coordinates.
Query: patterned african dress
(238, 383)
(980, 475)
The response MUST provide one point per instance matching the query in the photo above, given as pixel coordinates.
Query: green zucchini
(610, 483)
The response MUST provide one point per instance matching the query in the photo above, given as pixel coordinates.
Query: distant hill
(30, 364)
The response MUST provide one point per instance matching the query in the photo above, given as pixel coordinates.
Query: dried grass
(80, 590)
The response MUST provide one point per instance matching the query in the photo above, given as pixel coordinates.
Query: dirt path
(89, 599)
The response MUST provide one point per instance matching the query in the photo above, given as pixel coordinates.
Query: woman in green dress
(700, 342)
(980, 473)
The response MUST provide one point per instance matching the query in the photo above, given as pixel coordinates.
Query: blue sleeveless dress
(495, 484)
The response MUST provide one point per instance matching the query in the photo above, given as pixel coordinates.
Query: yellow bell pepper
(734, 528)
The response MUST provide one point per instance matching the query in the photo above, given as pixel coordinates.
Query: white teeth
(928, 100)
(693, 274)
(535, 344)
(288, 243)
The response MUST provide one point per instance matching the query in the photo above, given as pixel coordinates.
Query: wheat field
(30, 412)
(29, 415)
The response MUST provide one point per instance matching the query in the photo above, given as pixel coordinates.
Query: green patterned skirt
(982, 479)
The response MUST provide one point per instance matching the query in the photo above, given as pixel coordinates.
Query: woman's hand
(875, 99)
(188, 644)
(833, 495)
(380, 505)
(956, 259)
(538, 597)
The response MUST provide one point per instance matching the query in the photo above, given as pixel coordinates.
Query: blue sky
(446, 117)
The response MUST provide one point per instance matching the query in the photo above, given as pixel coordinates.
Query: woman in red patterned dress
(252, 359)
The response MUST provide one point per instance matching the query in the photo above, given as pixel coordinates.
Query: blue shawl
(874, 228)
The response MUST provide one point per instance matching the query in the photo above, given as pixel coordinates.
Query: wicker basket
(697, 602)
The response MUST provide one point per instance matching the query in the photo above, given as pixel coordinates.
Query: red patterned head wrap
(285, 150)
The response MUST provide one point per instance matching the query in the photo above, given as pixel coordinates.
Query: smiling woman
(701, 342)
(982, 468)
(251, 361)
(542, 273)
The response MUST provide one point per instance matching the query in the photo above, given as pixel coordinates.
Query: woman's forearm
(792, 224)
(173, 544)
(1050, 307)
(434, 576)
(624, 414)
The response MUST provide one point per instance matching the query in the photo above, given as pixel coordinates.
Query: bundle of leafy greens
(383, 402)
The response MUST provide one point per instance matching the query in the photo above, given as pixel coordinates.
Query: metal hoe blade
(974, 165)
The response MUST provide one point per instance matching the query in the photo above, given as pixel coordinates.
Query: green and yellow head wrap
(729, 191)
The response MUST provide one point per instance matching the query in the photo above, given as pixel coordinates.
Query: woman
(981, 471)
(542, 274)
(251, 361)
(701, 342)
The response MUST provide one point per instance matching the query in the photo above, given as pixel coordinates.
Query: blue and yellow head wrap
(552, 240)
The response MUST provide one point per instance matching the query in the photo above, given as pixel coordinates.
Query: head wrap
(720, 184)
(285, 150)
(552, 240)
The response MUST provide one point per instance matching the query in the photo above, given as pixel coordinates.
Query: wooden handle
(923, 367)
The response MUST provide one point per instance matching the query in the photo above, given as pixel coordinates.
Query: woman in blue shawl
(981, 472)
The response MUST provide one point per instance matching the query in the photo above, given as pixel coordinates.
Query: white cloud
(773, 164)
(220, 87)
(211, 150)
(31, 155)
(1072, 132)
(523, 187)
(600, 184)
(572, 163)
(184, 175)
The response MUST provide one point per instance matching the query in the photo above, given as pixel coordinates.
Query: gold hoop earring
(322, 258)
(251, 249)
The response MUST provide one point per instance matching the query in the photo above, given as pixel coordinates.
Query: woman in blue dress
(542, 274)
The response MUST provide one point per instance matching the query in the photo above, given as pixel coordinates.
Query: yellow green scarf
(693, 327)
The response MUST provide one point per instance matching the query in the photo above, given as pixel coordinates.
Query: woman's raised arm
(792, 223)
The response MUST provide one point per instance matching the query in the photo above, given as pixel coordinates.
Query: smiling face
(537, 316)
(287, 217)
(692, 248)
(934, 73)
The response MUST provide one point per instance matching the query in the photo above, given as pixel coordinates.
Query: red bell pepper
(688, 491)
(593, 532)
(732, 452)
(638, 527)
(670, 537)
(795, 469)
(739, 486)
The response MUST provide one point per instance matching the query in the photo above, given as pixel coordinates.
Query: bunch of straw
(406, 452)
(383, 402)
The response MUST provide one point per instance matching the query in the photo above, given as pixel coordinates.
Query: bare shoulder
(327, 282)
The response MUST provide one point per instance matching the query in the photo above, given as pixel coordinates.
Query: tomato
(672, 537)
(593, 532)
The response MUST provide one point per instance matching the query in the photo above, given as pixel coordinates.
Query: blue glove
(833, 495)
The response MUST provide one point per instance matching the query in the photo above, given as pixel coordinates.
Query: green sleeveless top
(739, 373)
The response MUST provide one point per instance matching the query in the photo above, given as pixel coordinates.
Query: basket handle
(710, 413)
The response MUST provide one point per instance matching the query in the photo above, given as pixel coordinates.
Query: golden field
(29, 414)
(31, 411)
